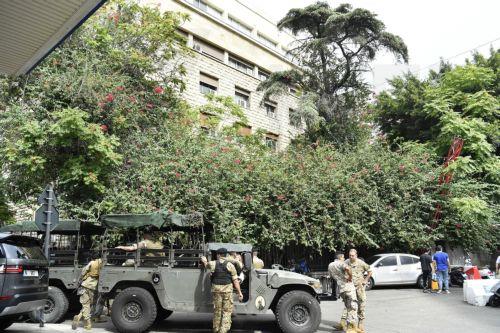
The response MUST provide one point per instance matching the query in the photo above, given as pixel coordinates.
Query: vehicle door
(387, 271)
(409, 269)
(3, 263)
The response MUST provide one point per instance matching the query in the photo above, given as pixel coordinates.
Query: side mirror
(247, 261)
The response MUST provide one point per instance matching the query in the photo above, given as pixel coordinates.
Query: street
(405, 310)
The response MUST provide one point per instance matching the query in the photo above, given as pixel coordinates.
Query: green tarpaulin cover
(64, 226)
(159, 220)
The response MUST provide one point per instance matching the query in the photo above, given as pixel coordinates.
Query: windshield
(371, 260)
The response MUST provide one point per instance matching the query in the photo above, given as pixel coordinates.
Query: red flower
(120, 88)
(248, 198)
(149, 189)
(177, 175)
(416, 170)
(280, 197)
(237, 161)
(214, 154)
(296, 214)
(225, 149)
(132, 99)
(101, 105)
(458, 226)
(110, 98)
(149, 106)
(376, 167)
(401, 167)
(158, 90)
(104, 128)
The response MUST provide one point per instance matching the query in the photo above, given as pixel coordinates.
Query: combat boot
(361, 326)
(352, 328)
(76, 322)
(87, 324)
(342, 326)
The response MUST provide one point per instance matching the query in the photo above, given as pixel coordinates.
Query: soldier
(257, 262)
(148, 242)
(341, 272)
(89, 278)
(235, 259)
(358, 268)
(223, 276)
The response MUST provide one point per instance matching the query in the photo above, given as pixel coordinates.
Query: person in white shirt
(498, 267)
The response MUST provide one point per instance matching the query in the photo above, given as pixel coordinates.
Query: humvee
(70, 250)
(161, 282)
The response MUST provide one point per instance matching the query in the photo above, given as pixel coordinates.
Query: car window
(1, 252)
(406, 260)
(416, 260)
(388, 261)
(22, 251)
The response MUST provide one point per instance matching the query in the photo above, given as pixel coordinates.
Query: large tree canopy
(333, 49)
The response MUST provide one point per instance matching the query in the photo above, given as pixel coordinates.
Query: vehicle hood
(278, 278)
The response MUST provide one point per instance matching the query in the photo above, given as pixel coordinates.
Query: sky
(430, 29)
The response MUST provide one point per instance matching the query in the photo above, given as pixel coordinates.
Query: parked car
(395, 269)
(24, 277)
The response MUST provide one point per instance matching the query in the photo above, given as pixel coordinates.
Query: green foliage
(335, 47)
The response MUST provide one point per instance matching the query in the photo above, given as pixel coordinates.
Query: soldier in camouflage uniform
(223, 275)
(341, 272)
(89, 278)
(358, 268)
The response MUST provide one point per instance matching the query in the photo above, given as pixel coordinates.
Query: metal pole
(48, 221)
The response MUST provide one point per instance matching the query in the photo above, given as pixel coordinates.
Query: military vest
(94, 270)
(221, 275)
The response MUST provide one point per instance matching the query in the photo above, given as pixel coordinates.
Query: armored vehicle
(161, 281)
(71, 245)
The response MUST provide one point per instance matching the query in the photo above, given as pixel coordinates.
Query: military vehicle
(159, 282)
(71, 246)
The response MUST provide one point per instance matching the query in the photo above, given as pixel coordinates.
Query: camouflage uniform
(257, 263)
(90, 277)
(358, 268)
(347, 290)
(223, 298)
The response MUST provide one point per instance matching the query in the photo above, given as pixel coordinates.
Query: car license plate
(29, 272)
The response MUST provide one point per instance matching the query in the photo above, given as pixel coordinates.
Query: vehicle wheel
(133, 310)
(55, 308)
(298, 312)
(5, 323)
(420, 282)
(162, 314)
(370, 284)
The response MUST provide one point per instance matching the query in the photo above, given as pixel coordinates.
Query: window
(239, 26)
(294, 118)
(371, 260)
(206, 7)
(263, 75)
(272, 141)
(405, 260)
(270, 110)
(241, 65)
(266, 41)
(208, 84)
(208, 49)
(388, 261)
(242, 98)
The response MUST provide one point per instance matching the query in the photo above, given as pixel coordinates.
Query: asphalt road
(405, 310)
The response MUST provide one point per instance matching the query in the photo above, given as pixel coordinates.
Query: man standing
(358, 268)
(427, 270)
(257, 262)
(442, 264)
(149, 241)
(89, 278)
(223, 275)
(341, 272)
(498, 267)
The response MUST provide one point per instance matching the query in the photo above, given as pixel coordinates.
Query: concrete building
(235, 49)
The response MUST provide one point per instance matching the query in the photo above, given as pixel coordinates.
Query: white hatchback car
(395, 269)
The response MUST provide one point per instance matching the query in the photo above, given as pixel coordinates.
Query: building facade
(235, 49)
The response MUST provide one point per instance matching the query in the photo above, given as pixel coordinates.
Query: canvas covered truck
(71, 244)
(149, 285)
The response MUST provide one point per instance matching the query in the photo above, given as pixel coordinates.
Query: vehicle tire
(420, 282)
(6, 322)
(134, 310)
(55, 309)
(370, 284)
(298, 312)
(162, 314)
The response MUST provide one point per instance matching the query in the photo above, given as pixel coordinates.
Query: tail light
(11, 269)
